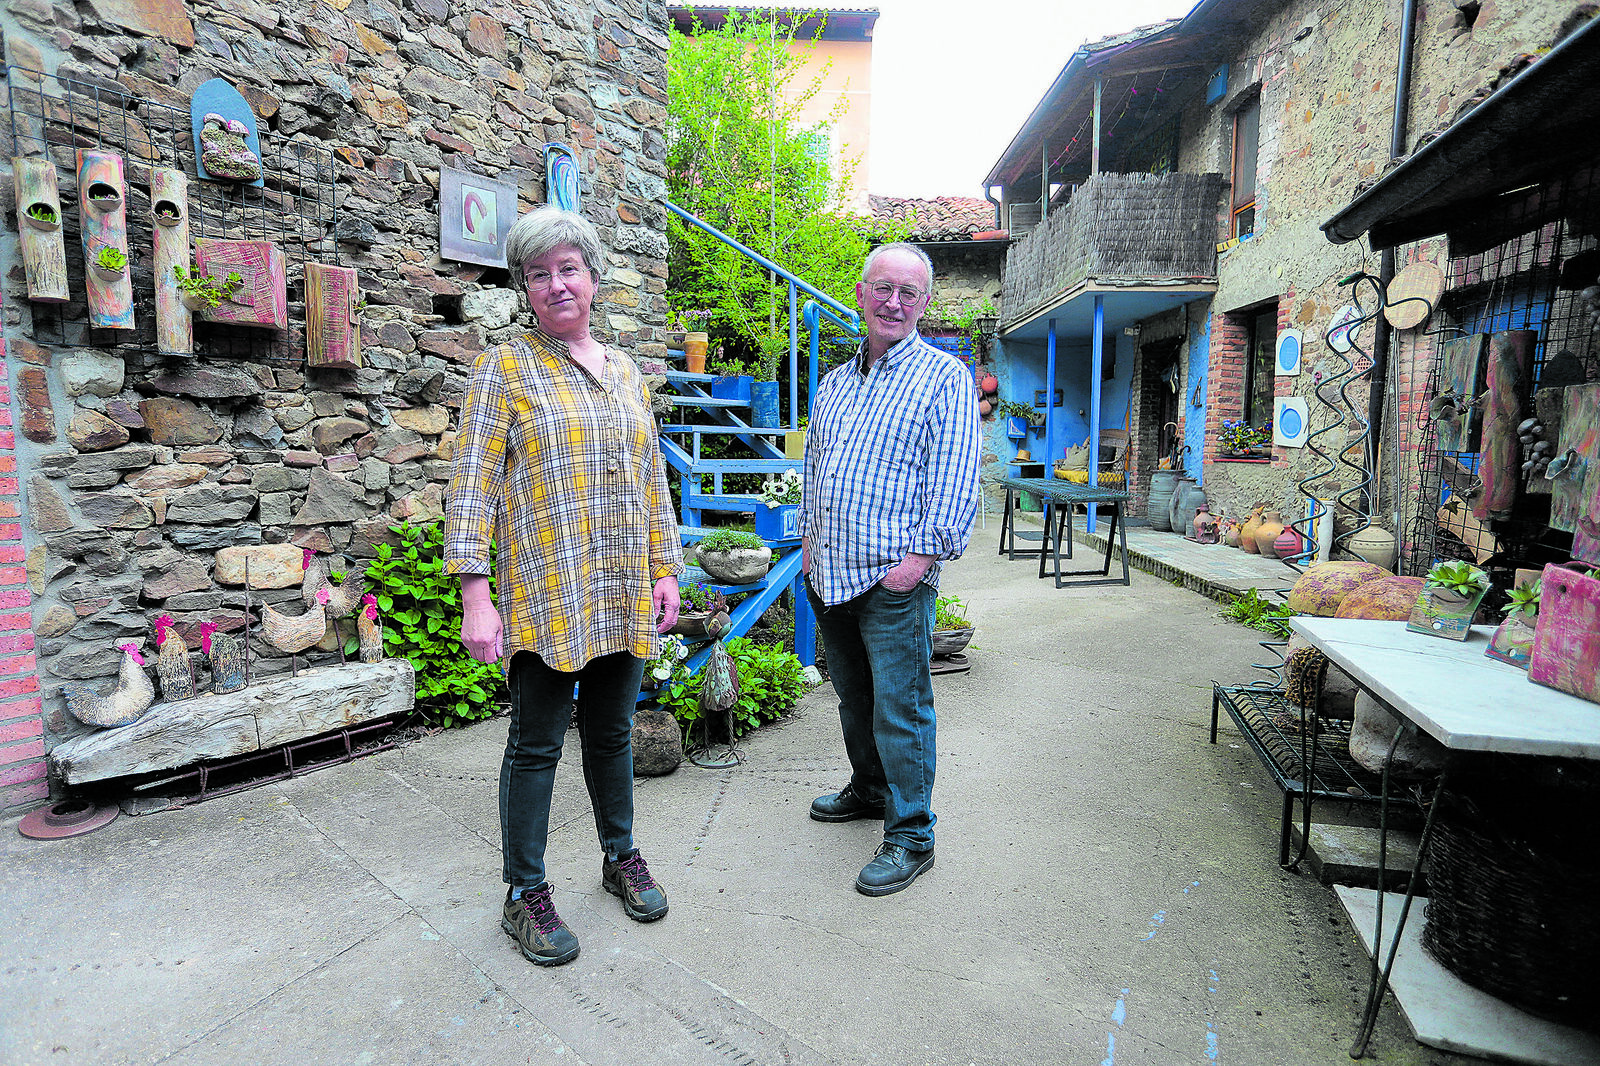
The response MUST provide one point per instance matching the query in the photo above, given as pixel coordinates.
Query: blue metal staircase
(699, 415)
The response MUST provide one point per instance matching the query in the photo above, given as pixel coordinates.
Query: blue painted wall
(1194, 414)
(1020, 366)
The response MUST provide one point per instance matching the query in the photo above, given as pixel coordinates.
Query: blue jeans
(878, 647)
(541, 709)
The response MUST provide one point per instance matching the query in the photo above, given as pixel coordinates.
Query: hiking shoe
(893, 868)
(532, 921)
(844, 805)
(629, 878)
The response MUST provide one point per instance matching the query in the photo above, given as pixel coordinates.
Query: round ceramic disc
(1413, 294)
(68, 818)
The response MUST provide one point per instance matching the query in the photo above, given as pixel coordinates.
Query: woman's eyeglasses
(539, 280)
(882, 290)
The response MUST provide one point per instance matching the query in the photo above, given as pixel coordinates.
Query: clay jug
(1158, 505)
(1230, 530)
(1205, 526)
(1289, 543)
(1247, 532)
(1373, 544)
(1267, 533)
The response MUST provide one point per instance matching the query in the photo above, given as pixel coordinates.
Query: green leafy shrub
(726, 539)
(949, 612)
(770, 681)
(420, 606)
(1249, 609)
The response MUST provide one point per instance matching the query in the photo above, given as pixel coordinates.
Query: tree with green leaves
(739, 158)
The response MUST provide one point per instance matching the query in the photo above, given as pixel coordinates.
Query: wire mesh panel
(1516, 265)
(52, 117)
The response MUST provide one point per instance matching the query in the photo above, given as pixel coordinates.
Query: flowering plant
(701, 598)
(690, 319)
(1237, 435)
(668, 666)
(786, 488)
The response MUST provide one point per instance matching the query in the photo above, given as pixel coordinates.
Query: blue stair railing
(704, 415)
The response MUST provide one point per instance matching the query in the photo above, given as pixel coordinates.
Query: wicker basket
(1515, 878)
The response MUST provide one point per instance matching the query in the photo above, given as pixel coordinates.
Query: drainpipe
(988, 194)
(1383, 335)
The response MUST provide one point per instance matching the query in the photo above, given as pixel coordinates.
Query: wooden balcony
(1123, 230)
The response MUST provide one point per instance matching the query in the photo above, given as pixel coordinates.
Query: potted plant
(779, 519)
(951, 630)
(1513, 640)
(104, 196)
(202, 292)
(1566, 644)
(166, 213)
(698, 608)
(764, 390)
(667, 667)
(1240, 440)
(1449, 598)
(109, 263)
(1018, 416)
(41, 216)
(733, 379)
(733, 556)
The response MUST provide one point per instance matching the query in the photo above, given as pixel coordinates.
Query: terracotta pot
(1230, 532)
(1267, 533)
(988, 383)
(694, 352)
(1288, 544)
(985, 408)
(1374, 545)
(1206, 529)
(1247, 532)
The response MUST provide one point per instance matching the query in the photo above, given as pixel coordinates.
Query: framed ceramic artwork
(1288, 353)
(475, 214)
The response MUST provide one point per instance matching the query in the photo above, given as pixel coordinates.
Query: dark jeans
(541, 709)
(878, 646)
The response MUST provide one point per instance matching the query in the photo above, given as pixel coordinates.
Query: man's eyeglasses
(882, 290)
(539, 280)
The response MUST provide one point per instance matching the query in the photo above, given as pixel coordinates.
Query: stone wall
(137, 469)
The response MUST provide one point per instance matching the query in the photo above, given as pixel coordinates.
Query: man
(891, 483)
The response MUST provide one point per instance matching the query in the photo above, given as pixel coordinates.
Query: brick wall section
(1144, 431)
(22, 769)
(1225, 390)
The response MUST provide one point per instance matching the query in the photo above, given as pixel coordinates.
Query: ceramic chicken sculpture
(227, 658)
(370, 630)
(343, 598)
(172, 662)
(124, 705)
(295, 635)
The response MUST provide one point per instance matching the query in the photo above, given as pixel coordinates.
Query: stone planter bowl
(949, 641)
(737, 566)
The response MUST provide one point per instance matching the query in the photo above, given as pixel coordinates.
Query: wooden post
(102, 199)
(1094, 151)
(169, 195)
(333, 332)
(44, 253)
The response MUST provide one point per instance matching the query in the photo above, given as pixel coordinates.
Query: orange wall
(851, 77)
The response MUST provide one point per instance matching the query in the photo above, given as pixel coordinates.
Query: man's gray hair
(543, 230)
(898, 246)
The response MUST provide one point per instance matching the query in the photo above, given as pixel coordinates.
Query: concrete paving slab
(1105, 892)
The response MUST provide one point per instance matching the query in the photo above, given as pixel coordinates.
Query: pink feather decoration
(323, 596)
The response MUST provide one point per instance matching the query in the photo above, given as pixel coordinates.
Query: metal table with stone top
(1468, 702)
(1059, 499)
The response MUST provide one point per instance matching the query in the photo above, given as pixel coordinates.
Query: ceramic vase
(1374, 545)
(1267, 533)
(1158, 505)
(1205, 526)
(1247, 532)
(1177, 516)
(1288, 544)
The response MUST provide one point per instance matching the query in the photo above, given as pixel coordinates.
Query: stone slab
(262, 715)
(1348, 855)
(1446, 1012)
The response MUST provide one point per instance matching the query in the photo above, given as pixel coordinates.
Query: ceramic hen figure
(172, 662)
(124, 704)
(343, 598)
(370, 630)
(227, 658)
(295, 635)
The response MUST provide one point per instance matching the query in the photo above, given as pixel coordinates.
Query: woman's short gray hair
(543, 230)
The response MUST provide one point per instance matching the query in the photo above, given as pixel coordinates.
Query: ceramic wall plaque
(1576, 466)
(1510, 356)
(102, 199)
(333, 331)
(227, 147)
(44, 252)
(169, 211)
(561, 177)
(1455, 417)
(475, 214)
(262, 298)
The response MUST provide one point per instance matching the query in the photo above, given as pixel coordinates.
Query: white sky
(953, 80)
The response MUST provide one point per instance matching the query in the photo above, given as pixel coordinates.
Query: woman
(557, 464)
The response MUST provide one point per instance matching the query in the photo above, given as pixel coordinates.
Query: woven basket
(1515, 878)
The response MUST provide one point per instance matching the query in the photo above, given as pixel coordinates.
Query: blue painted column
(1049, 393)
(1097, 363)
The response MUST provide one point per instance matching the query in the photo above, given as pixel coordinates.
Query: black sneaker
(532, 921)
(629, 878)
(845, 805)
(893, 868)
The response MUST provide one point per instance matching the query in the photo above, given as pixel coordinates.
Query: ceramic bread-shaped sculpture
(124, 705)
(295, 635)
(370, 629)
(227, 658)
(172, 662)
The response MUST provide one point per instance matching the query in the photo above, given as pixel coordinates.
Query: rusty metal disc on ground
(68, 818)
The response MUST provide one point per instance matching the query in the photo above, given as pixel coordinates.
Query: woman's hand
(665, 600)
(480, 620)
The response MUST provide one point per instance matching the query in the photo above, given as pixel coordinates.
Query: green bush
(770, 681)
(1249, 609)
(726, 539)
(420, 607)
